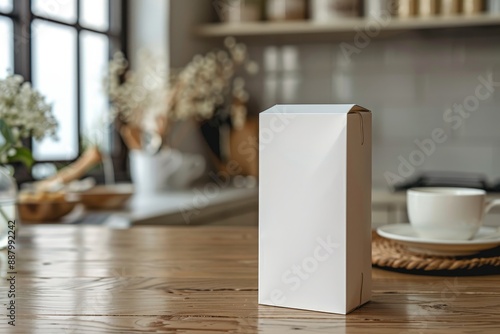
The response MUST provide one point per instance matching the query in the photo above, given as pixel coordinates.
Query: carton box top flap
(315, 109)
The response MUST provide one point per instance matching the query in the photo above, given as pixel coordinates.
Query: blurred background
(428, 70)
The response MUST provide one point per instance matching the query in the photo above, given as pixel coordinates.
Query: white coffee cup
(447, 213)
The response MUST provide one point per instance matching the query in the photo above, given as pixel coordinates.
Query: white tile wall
(408, 82)
(315, 87)
(495, 174)
(319, 57)
(483, 125)
(480, 52)
(386, 159)
(398, 122)
(462, 157)
(448, 86)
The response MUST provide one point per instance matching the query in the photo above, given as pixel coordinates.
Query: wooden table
(193, 279)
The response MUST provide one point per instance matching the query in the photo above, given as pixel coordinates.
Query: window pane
(6, 6)
(94, 14)
(94, 102)
(54, 74)
(62, 10)
(6, 49)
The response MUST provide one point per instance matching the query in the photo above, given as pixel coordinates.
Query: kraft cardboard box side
(315, 207)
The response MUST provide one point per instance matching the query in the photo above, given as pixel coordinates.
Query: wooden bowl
(107, 196)
(44, 211)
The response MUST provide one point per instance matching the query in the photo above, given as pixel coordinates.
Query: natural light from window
(55, 70)
(54, 73)
(6, 49)
(95, 106)
(61, 10)
(69, 57)
(95, 14)
(5, 5)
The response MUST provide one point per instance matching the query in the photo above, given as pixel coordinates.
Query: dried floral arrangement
(210, 86)
(24, 114)
(136, 94)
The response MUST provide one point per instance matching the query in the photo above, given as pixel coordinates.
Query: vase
(328, 10)
(8, 210)
(236, 11)
(166, 170)
(285, 10)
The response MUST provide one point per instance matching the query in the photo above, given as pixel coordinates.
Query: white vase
(378, 8)
(168, 169)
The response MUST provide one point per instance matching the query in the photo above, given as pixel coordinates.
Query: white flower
(208, 85)
(25, 111)
(136, 95)
(203, 89)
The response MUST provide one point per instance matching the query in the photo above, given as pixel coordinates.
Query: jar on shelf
(235, 11)
(451, 7)
(378, 8)
(428, 8)
(493, 6)
(326, 10)
(473, 7)
(407, 8)
(285, 10)
(8, 210)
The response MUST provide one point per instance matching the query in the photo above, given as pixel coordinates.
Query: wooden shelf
(342, 27)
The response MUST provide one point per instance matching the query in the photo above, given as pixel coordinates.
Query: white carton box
(315, 207)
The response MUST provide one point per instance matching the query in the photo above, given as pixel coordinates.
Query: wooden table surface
(194, 279)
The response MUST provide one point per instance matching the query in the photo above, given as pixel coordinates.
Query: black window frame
(22, 18)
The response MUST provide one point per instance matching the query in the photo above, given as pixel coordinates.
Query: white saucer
(486, 238)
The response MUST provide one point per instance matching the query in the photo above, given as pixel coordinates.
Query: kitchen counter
(194, 279)
(193, 206)
(198, 206)
(225, 206)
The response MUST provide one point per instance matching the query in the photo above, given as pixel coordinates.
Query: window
(6, 40)
(62, 47)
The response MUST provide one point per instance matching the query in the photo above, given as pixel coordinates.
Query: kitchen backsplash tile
(495, 174)
(438, 54)
(399, 122)
(290, 58)
(342, 87)
(315, 88)
(480, 52)
(319, 57)
(400, 161)
(397, 88)
(272, 86)
(387, 162)
(450, 86)
(463, 157)
(290, 85)
(483, 124)
(373, 55)
(410, 83)
(402, 54)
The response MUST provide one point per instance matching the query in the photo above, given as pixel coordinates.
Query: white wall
(409, 82)
(152, 27)
(185, 16)
(148, 27)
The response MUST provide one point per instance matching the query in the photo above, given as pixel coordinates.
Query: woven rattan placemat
(390, 255)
